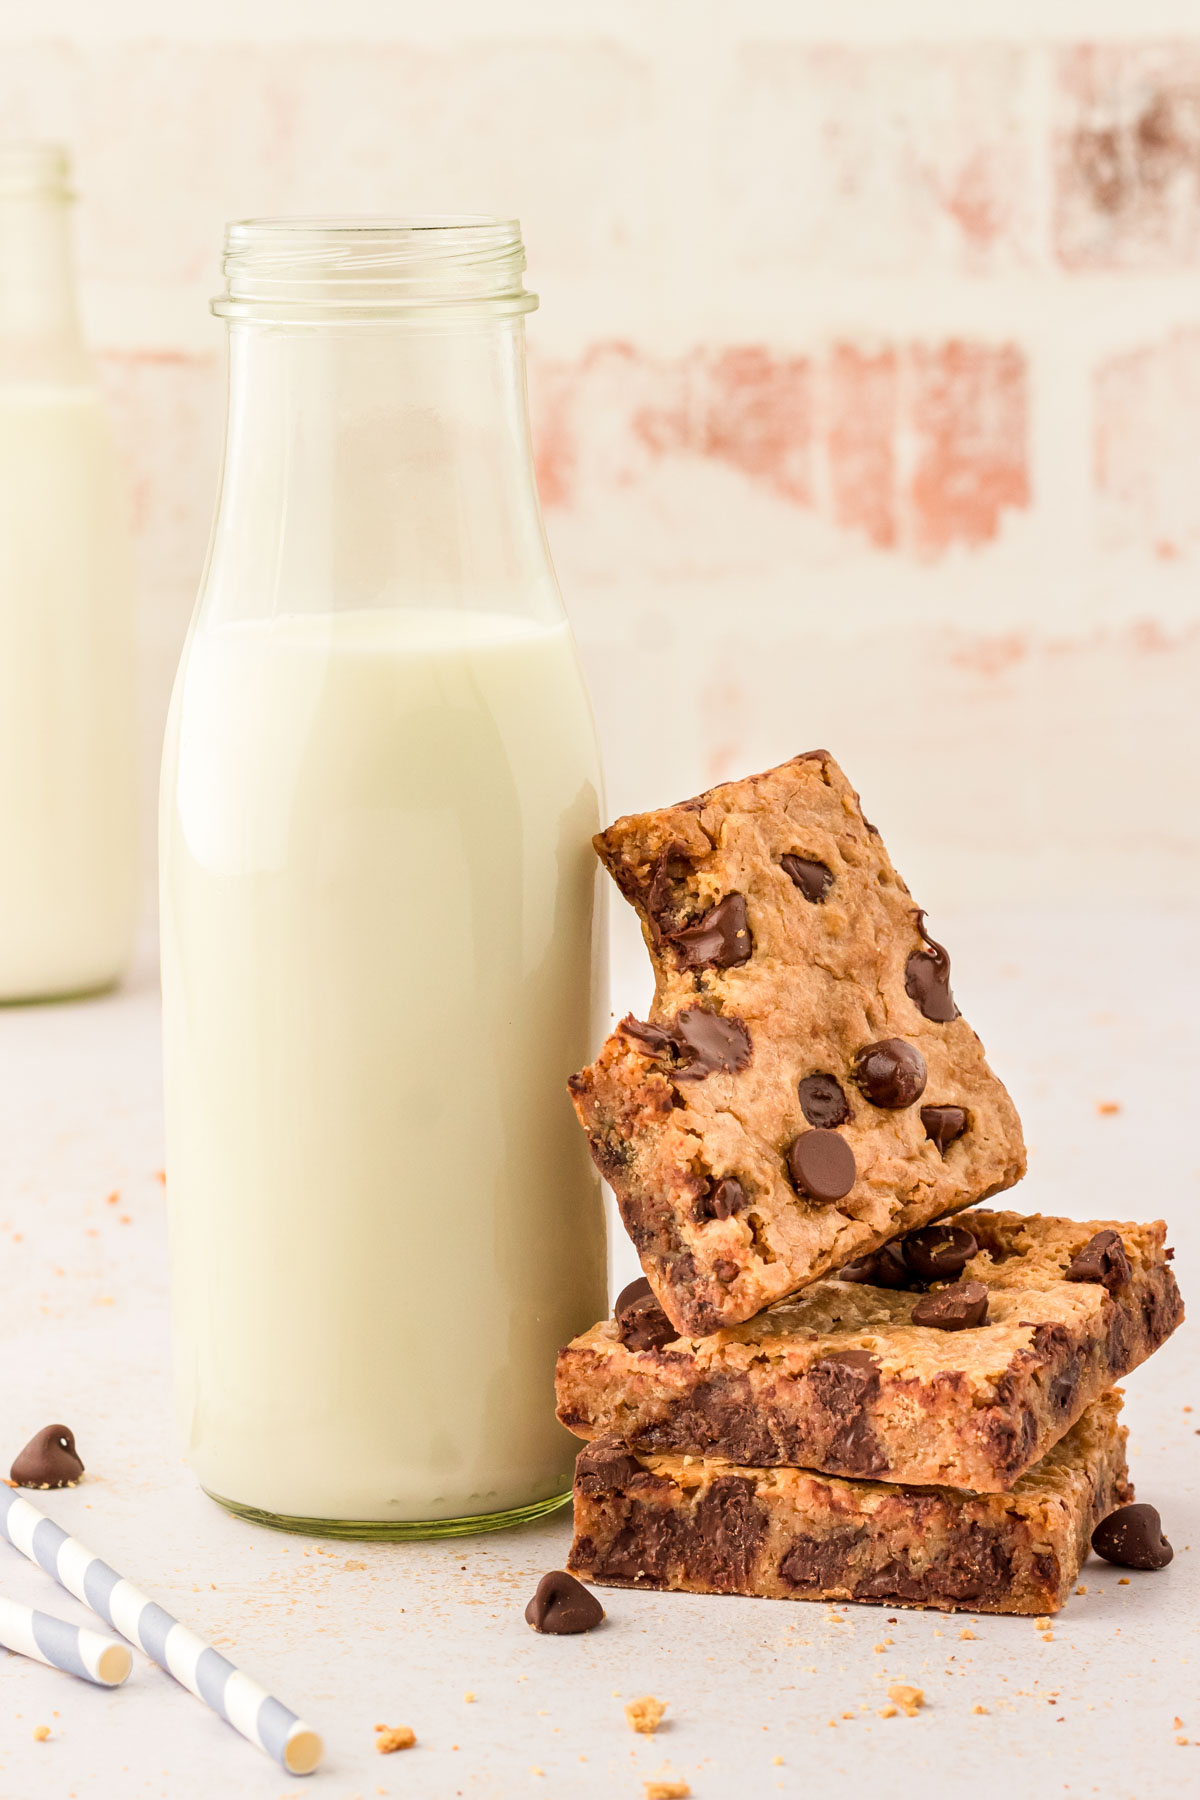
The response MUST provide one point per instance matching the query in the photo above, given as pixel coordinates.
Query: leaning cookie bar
(805, 1087)
(710, 1527)
(840, 1377)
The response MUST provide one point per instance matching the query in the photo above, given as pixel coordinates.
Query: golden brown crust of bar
(971, 1409)
(823, 980)
(710, 1527)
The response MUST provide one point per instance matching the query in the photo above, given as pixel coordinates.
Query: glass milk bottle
(380, 948)
(68, 802)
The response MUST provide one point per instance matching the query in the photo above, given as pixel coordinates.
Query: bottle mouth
(40, 171)
(372, 267)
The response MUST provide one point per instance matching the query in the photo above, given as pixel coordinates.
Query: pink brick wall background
(866, 386)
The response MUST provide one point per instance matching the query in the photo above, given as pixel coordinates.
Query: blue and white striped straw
(71, 1647)
(196, 1665)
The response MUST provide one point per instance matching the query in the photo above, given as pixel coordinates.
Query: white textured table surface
(1074, 1010)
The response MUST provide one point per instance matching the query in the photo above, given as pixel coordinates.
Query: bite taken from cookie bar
(805, 1087)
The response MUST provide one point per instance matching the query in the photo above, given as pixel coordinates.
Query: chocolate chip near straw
(956, 1308)
(938, 1252)
(927, 979)
(49, 1460)
(814, 879)
(1102, 1259)
(637, 1290)
(721, 939)
(822, 1101)
(822, 1165)
(882, 1268)
(643, 1325)
(1133, 1538)
(724, 1200)
(943, 1124)
(562, 1606)
(891, 1073)
(711, 1043)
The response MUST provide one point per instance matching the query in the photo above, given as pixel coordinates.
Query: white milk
(68, 835)
(377, 915)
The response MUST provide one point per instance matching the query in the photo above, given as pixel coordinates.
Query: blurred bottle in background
(68, 804)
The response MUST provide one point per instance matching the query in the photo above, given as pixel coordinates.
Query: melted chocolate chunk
(943, 1124)
(605, 1468)
(845, 1386)
(720, 940)
(673, 865)
(651, 1038)
(927, 979)
(882, 1268)
(642, 1323)
(891, 1073)
(711, 1043)
(822, 1101)
(956, 1308)
(562, 1606)
(1102, 1259)
(724, 1200)
(814, 879)
(822, 1165)
(1133, 1538)
(49, 1460)
(938, 1252)
(636, 1290)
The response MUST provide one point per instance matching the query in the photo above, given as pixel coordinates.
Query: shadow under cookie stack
(826, 1387)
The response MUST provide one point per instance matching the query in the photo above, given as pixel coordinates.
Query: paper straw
(196, 1665)
(70, 1647)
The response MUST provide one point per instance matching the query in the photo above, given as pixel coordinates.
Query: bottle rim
(372, 267)
(33, 170)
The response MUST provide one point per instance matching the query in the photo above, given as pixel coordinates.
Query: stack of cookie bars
(833, 1382)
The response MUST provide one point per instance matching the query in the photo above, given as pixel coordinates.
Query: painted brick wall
(866, 385)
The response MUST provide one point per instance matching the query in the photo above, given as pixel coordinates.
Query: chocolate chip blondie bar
(845, 1377)
(805, 1087)
(709, 1527)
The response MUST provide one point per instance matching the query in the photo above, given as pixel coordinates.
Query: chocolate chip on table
(562, 1606)
(956, 1308)
(927, 979)
(721, 939)
(883, 1268)
(1102, 1259)
(711, 1042)
(1133, 1538)
(822, 1101)
(641, 1321)
(49, 1460)
(891, 1073)
(943, 1125)
(813, 878)
(724, 1200)
(938, 1252)
(822, 1165)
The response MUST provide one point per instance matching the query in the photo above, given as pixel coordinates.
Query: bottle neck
(382, 463)
(39, 321)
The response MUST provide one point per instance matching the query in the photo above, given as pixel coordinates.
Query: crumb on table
(645, 1714)
(40, 1733)
(910, 1700)
(668, 1789)
(394, 1737)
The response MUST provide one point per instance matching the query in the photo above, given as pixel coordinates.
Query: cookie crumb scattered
(910, 1700)
(887, 1712)
(1082, 1588)
(354, 1565)
(40, 1733)
(1042, 1624)
(1177, 1724)
(1178, 1740)
(964, 1633)
(394, 1737)
(978, 1709)
(1124, 1581)
(879, 1649)
(1106, 1108)
(469, 1696)
(670, 1789)
(777, 1762)
(645, 1714)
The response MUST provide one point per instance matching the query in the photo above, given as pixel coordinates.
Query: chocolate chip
(956, 1308)
(49, 1460)
(814, 879)
(723, 1201)
(673, 865)
(891, 1073)
(637, 1290)
(1102, 1259)
(561, 1606)
(882, 1268)
(938, 1252)
(725, 1270)
(1133, 1537)
(927, 979)
(641, 1321)
(711, 1043)
(720, 940)
(822, 1165)
(943, 1124)
(822, 1101)
(651, 1038)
